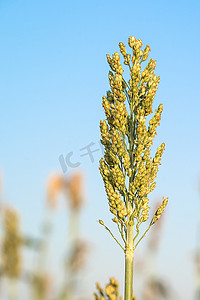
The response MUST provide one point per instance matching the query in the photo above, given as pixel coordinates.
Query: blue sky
(53, 73)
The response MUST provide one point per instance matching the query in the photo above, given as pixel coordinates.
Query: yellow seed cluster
(113, 183)
(111, 291)
(127, 133)
(159, 211)
(127, 57)
(11, 244)
(146, 53)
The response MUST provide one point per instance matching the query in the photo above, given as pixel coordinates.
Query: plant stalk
(129, 253)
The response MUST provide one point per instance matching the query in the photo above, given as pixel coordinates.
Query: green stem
(13, 292)
(129, 264)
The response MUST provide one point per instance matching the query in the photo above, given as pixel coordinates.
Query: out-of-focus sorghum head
(54, 188)
(74, 187)
(111, 291)
(12, 241)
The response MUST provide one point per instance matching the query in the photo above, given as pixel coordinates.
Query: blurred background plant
(36, 274)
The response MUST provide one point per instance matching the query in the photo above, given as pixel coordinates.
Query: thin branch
(143, 235)
(101, 222)
(121, 232)
(138, 231)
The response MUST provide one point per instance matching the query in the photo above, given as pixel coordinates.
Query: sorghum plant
(11, 246)
(11, 250)
(128, 170)
(111, 291)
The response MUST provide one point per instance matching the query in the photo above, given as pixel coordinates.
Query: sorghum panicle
(127, 168)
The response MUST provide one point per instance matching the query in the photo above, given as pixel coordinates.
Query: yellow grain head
(11, 255)
(54, 187)
(74, 187)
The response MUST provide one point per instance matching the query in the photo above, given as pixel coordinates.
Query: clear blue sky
(53, 73)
